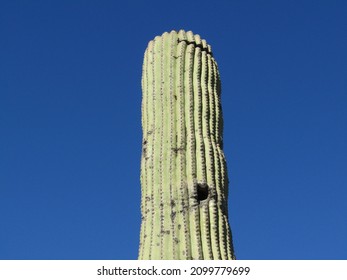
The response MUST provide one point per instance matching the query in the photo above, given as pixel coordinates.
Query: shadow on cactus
(184, 180)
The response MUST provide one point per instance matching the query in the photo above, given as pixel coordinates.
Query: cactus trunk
(184, 181)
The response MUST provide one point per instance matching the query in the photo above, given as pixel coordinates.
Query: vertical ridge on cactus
(184, 182)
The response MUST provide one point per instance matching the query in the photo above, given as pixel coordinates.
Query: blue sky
(70, 123)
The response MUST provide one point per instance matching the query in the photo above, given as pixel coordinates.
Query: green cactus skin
(184, 181)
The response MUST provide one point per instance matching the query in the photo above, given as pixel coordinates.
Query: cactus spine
(184, 181)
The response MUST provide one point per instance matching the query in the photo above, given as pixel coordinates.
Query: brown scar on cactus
(184, 180)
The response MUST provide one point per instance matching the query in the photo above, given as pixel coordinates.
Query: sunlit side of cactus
(184, 181)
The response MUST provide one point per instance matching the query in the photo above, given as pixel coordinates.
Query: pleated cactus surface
(184, 181)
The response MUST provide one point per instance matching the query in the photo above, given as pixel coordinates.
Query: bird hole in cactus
(202, 192)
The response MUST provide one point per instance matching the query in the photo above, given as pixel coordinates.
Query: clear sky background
(70, 123)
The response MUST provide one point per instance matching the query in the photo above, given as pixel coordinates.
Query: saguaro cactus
(184, 181)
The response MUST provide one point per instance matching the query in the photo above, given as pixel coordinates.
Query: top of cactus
(187, 37)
